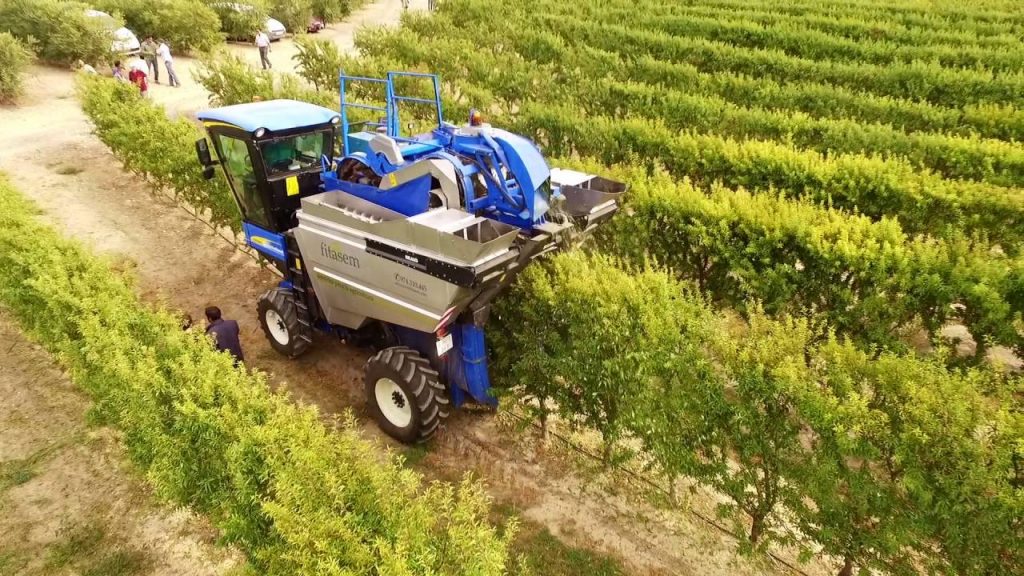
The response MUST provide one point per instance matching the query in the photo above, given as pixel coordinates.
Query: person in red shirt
(137, 76)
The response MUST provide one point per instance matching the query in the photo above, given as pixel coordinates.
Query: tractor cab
(272, 154)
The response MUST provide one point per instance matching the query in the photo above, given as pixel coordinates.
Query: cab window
(294, 153)
(238, 165)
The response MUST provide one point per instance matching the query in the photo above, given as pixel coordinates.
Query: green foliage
(296, 496)
(578, 99)
(318, 61)
(331, 10)
(867, 280)
(185, 25)
(605, 336)
(873, 458)
(241, 24)
(161, 150)
(230, 80)
(58, 32)
(14, 60)
(294, 14)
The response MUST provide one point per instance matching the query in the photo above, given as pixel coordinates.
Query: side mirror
(203, 153)
(209, 172)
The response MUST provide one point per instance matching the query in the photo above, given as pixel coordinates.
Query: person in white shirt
(263, 43)
(163, 51)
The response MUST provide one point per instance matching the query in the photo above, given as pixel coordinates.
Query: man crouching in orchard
(224, 332)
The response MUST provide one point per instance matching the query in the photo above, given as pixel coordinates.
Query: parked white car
(274, 29)
(124, 41)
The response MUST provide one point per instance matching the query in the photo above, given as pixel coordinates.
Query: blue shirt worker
(224, 332)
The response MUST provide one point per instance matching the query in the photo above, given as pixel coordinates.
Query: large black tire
(279, 318)
(395, 376)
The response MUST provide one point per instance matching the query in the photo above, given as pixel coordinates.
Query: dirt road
(191, 96)
(47, 149)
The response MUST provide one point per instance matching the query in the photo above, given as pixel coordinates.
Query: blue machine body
(516, 181)
(270, 244)
(517, 191)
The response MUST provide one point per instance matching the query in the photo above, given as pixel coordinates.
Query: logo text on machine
(338, 256)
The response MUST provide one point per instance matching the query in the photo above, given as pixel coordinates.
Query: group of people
(151, 54)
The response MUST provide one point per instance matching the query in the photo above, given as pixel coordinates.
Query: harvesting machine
(400, 242)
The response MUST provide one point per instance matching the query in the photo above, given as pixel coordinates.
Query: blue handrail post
(392, 121)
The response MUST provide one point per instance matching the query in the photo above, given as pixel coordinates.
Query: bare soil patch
(68, 500)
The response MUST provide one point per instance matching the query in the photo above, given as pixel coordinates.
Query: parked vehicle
(315, 26)
(124, 41)
(274, 29)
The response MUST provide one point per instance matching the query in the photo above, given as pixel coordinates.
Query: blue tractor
(398, 242)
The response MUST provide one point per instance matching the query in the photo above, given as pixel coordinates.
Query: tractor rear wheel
(405, 394)
(279, 317)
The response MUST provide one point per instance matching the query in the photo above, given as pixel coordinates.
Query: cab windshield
(294, 153)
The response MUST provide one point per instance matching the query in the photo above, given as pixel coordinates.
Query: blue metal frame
(392, 122)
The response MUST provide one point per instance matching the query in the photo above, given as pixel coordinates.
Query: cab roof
(273, 115)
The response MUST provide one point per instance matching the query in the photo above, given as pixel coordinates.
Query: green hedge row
(795, 38)
(993, 161)
(866, 280)
(885, 462)
(922, 202)
(297, 497)
(229, 80)
(914, 80)
(149, 144)
(14, 60)
(986, 23)
(821, 100)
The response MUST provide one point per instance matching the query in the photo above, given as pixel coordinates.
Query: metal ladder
(299, 285)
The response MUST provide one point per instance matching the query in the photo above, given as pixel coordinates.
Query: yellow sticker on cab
(392, 179)
(291, 185)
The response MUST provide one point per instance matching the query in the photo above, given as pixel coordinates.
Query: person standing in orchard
(263, 43)
(164, 53)
(149, 55)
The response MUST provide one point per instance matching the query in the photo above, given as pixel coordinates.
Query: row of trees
(748, 26)
(14, 60)
(992, 23)
(880, 461)
(59, 32)
(914, 80)
(561, 104)
(812, 96)
(606, 85)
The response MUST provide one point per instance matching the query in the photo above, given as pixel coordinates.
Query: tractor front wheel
(279, 317)
(405, 394)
